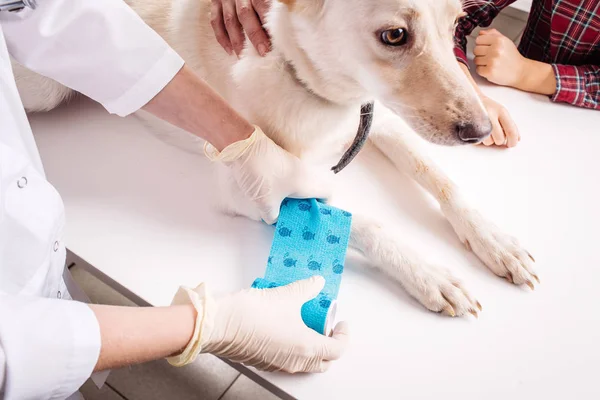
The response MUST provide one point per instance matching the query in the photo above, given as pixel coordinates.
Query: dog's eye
(394, 37)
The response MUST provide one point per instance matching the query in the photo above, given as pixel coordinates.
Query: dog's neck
(333, 89)
(291, 70)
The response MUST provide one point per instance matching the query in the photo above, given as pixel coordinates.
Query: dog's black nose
(470, 133)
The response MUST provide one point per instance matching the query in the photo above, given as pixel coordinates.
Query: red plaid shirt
(563, 33)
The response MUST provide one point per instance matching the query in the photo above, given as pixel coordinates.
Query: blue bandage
(311, 238)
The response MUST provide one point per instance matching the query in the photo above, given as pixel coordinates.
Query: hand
(266, 174)
(262, 329)
(504, 130)
(230, 18)
(498, 59)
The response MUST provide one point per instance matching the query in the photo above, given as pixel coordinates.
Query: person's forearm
(132, 335)
(538, 77)
(190, 104)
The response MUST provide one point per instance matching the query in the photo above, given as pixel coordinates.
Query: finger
(310, 288)
(488, 141)
(510, 128)
(316, 367)
(496, 34)
(233, 26)
(218, 26)
(483, 70)
(310, 183)
(481, 61)
(480, 50)
(304, 290)
(335, 346)
(253, 27)
(324, 366)
(498, 133)
(485, 40)
(491, 31)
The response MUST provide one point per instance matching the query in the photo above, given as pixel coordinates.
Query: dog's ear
(303, 6)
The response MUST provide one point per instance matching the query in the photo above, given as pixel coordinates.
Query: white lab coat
(49, 346)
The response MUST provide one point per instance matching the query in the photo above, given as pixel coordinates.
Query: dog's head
(399, 52)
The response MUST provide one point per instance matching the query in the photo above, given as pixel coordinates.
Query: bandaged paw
(266, 174)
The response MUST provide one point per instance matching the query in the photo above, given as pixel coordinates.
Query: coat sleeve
(48, 347)
(102, 49)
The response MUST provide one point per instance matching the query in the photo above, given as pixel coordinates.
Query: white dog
(330, 57)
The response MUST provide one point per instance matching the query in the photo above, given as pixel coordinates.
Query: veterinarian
(49, 345)
(559, 54)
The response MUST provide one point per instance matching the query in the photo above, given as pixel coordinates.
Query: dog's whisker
(401, 105)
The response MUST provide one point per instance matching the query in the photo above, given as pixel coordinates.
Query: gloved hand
(267, 174)
(261, 328)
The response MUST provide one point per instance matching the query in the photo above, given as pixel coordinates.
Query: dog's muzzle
(364, 128)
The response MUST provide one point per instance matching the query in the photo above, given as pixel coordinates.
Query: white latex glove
(262, 328)
(267, 174)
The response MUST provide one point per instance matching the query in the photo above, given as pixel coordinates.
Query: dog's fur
(327, 60)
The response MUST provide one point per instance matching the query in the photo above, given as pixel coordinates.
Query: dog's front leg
(433, 286)
(500, 252)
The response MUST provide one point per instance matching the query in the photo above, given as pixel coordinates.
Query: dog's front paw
(439, 291)
(500, 252)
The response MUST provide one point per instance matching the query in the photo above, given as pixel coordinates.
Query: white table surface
(522, 5)
(141, 212)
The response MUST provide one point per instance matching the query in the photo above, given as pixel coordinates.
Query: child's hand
(498, 59)
(504, 130)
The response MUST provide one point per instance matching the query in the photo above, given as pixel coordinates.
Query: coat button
(21, 183)
(59, 295)
(56, 246)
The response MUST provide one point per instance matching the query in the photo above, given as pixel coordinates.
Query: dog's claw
(479, 306)
(536, 278)
(530, 284)
(530, 256)
(474, 313)
(450, 311)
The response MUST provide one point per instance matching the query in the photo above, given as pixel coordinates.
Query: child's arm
(499, 61)
(504, 130)
(477, 13)
(482, 13)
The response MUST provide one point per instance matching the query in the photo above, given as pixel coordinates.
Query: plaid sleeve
(577, 85)
(479, 13)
